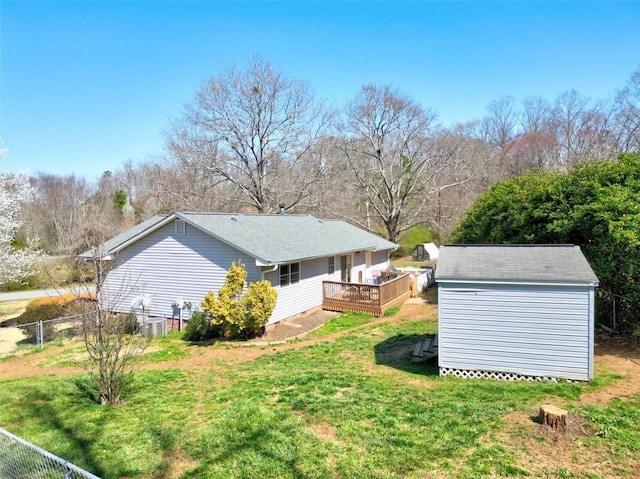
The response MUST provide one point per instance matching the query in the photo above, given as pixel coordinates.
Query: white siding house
(182, 256)
(515, 311)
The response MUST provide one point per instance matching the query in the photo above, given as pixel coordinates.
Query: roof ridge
(213, 213)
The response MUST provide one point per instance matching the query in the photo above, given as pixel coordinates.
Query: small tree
(239, 315)
(109, 340)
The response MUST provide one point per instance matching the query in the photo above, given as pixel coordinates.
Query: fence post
(40, 330)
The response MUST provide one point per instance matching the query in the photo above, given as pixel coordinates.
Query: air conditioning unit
(152, 328)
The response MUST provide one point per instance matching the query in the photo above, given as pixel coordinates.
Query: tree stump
(553, 416)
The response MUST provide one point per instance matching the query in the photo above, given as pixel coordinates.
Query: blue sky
(88, 85)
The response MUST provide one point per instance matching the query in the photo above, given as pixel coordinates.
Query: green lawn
(348, 406)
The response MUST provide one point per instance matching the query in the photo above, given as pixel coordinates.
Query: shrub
(258, 303)
(198, 328)
(46, 309)
(41, 312)
(43, 309)
(238, 315)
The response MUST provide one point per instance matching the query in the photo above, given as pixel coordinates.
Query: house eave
(144, 233)
(324, 255)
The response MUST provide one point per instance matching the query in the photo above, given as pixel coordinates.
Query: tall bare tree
(390, 148)
(256, 129)
(627, 117)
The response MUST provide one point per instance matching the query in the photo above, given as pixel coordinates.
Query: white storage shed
(515, 311)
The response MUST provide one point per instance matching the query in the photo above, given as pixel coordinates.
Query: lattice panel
(500, 376)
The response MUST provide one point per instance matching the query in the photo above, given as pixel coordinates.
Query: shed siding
(528, 330)
(169, 266)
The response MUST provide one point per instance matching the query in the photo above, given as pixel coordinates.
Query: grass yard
(347, 402)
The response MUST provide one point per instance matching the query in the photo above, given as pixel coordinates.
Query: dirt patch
(543, 451)
(615, 356)
(177, 463)
(325, 432)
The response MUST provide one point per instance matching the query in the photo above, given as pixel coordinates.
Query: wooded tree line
(253, 139)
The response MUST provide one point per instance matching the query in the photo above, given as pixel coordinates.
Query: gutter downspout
(275, 267)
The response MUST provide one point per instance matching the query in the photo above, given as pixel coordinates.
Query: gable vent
(181, 228)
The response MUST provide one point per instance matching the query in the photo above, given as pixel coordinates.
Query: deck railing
(365, 298)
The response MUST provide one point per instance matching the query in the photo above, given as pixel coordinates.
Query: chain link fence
(38, 334)
(618, 314)
(30, 335)
(20, 459)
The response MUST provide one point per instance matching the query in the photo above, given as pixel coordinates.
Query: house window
(331, 264)
(180, 228)
(289, 274)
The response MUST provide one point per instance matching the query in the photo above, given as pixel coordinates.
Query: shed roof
(514, 263)
(270, 238)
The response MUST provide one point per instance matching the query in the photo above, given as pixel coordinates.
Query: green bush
(46, 309)
(198, 328)
(41, 312)
(236, 315)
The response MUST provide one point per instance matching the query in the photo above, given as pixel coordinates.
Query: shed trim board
(521, 310)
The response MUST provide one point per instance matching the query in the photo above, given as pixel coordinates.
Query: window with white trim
(289, 274)
(331, 264)
(181, 228)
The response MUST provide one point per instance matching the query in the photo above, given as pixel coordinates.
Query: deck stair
(426, 349)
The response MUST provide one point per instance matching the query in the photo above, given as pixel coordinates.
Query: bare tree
(570, 119)
(627, 116)
(255, 129)
(535, 147)
(499, 126)
(393, 157)
(110, 340)
(66, 211)
(454, 189)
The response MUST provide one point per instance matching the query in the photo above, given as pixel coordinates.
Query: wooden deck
(365, 298)
(426, 349)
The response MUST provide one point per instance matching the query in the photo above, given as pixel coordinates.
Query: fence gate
(20, 459)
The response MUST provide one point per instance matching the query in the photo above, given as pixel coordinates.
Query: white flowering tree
(14, 262)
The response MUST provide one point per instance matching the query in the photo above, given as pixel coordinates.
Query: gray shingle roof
(271, 239)
(108, 246)
(514, 263)
(284, 238)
